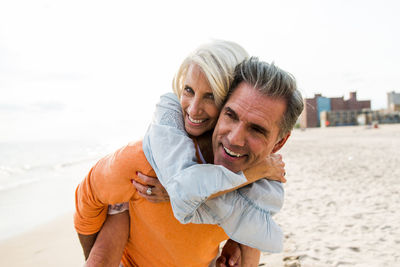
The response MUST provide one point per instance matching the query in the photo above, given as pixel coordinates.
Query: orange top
(156, 237)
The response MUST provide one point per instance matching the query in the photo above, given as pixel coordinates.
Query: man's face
(247, 129)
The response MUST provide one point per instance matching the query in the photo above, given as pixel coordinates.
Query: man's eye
(258, 130)
(229, 114)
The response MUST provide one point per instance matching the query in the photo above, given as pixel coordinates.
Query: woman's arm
(272, 168)
(246, 215)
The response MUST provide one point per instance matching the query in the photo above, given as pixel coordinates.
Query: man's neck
(205, 144)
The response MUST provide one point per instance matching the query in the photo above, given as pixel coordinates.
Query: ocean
(43, 157)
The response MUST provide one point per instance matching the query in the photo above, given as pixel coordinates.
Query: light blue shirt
(244, 214)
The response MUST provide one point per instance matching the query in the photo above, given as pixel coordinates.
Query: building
(370, 117)
(339, 118)
(393, 101)
(344, 112)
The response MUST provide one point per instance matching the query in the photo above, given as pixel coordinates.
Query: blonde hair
(217, 60)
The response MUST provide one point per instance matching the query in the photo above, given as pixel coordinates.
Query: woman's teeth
(196, 121)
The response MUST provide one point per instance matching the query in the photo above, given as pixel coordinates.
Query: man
(261, 110)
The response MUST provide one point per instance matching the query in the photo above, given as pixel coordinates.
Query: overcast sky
(114, 58)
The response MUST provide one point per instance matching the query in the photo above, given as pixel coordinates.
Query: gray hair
(274, 82)
(217, 60)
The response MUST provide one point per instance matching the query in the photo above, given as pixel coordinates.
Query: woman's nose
(195, 108)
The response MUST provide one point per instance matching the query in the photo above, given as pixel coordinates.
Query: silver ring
(148, 191)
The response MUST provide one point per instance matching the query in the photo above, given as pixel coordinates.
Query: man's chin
(231, 163)
(232, 167)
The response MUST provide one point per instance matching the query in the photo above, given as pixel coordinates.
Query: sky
(91, 62)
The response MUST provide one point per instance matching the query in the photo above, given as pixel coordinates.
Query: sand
(341, 207)
(342, 198)
(52, 244)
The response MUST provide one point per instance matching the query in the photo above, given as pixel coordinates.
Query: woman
(202, 84)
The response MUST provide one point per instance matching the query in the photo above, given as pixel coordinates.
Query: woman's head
(202, 83)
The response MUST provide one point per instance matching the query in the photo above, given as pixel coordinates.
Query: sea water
(43, 157)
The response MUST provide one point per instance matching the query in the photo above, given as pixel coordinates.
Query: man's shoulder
(131, 154)
(111, 176)
(132, 148)
(128, 158)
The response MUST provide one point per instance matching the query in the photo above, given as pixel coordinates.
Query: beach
(341, 205)
(342, 198)
(54, 243)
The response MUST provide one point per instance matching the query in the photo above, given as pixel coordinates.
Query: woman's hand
(273, 168)
(155, 194)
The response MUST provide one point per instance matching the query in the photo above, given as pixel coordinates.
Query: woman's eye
(188, 90)
(210, 96)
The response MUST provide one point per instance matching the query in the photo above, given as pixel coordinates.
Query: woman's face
(197, 100)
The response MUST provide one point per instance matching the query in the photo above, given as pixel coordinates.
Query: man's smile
(231, 153)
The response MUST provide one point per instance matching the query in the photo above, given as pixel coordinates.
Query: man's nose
(236, 136)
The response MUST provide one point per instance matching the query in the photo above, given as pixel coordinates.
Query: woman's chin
(194, 132)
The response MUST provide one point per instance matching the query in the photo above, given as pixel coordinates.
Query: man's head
(261, 109)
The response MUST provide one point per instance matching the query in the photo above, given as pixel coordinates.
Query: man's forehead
(252, 103)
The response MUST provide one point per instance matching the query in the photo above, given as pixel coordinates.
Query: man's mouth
(196, 121)
(231, 153)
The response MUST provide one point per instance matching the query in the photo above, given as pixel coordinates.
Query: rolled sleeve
(246, 215)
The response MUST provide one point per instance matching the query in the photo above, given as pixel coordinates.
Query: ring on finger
(148, 191)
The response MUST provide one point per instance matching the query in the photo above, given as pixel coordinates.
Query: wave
(16, 184)
(75, 162)
(14, 177)
(8, 170)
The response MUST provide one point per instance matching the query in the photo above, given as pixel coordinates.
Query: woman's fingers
(277, 168)
(148, 180)
(156, 193)
(153, 198)
(141, 188)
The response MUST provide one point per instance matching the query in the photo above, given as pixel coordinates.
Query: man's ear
(280, 143)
